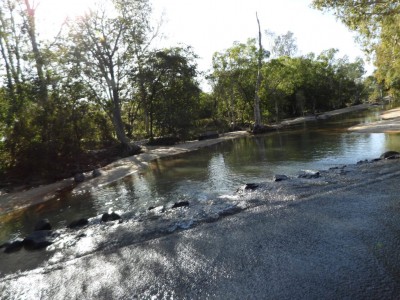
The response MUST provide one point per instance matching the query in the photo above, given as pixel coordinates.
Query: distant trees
(100, 83)
(291, 86)
(378, 25)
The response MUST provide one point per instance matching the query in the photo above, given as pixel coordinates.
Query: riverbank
(124, 167)
(332, 235)
(390, 123)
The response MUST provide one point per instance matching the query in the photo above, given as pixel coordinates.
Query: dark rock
(13, 246)
(39, 239)
(390, 155)
(376, 159)
(280, 178)
(208, 135)
(43, 224)
(96, 173)
(180, 204)
(79, 177)
(78, 223)
(110, 217)
(309, 174)
(251, 186)
(362, 162)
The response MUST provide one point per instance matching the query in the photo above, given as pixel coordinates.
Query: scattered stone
(78, 223)
(13, 246)
(79, 177)
(180, 204)
(280, 178)
(251, 186)
(96, 173)
(390, 155)
(39, 239)
(362, 162)
(208, 135)
(309, 174)
(43, 224)
(110, 217)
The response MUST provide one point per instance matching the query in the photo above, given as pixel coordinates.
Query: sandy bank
(390, 123)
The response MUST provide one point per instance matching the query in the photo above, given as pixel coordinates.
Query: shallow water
(216, 171)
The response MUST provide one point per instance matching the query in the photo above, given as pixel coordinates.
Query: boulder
(309, 174)
(180, 204)
(78, 223)
(79, 177)
(110, 217)
(280, 178)
(13, 246)
(39, 239)
(43, 224)
(251, 186)
(390, 155)
(96, 173)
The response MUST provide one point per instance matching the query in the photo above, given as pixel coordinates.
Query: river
(215, 171)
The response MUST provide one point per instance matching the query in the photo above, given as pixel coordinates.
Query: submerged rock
(110, 217)
(39, 239)
(96, 173)
(79, 177)
(180, 204)
(251, 186)
(43, 224)
(309, 174)
(390, 155)
(280, 178)
(78, 223)
(13, 246)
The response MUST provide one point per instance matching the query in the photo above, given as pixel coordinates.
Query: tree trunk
(257, 113)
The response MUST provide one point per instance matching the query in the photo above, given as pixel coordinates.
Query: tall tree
(257, 112)
(378, 25)
(104, 44)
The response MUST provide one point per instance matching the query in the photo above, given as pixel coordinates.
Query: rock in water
(110, 217)
(180, 204)
(390, 155)
(251, 186)
(79, 177)
(43, 224)
(13, 246)
(96, 173)
(280, 178)
(39, 239)
(309, 174)
(78, 223)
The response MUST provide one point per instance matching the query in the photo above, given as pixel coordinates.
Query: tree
(168, 81)
(104, 44)
(378, 25)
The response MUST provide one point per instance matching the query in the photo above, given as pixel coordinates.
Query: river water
(215, 171)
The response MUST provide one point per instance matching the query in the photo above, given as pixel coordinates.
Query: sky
(214, 25)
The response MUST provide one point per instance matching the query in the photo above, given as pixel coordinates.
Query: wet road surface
(334, 237)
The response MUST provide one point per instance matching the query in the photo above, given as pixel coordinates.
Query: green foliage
(378, 25)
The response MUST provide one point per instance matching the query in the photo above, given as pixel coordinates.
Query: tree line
(101, 83)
